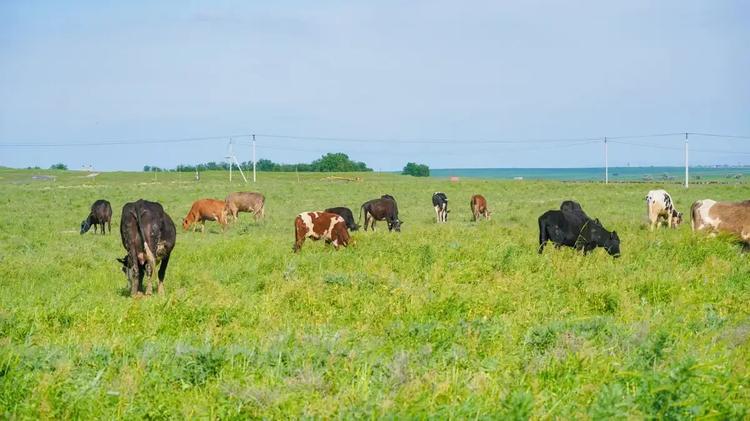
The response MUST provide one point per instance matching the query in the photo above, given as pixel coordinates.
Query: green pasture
(456, 321)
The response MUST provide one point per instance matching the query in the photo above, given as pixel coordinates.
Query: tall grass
(457, 320)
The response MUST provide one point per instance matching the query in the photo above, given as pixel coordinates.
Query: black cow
(571, 227)
(381, 209)
(148, 235)
(348, 216)
(440, 202)
(101, 212)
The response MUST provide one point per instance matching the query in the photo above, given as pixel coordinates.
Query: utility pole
(229, 159)
(253, 158)
(606, 162)
(686, 160)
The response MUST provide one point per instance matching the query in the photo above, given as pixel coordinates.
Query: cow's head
(85, 226)
(676, 219)
(185, 224)
(395, 225)
(612, 244)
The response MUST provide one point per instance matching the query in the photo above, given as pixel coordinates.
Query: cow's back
(732, 217)
(245, 200)
(478, 202)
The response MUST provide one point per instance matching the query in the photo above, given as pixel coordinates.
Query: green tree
(59, 166)
(416, 170)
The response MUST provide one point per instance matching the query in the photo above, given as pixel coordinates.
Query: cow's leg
(109, 225)
(162, 272)
(203, 227)
(542, 236)
(669, 219)
(299, 239)
(437, 214)
(133, 277)
(103, 230)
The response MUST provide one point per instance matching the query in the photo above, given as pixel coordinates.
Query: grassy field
(463, 320)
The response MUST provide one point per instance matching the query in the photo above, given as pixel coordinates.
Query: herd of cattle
(148, 233)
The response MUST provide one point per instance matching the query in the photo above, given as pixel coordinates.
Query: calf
(729, 217)
(101, 212)
(345, 213)
(659, 205)
(317, 225)
(148, 235)
(383, 209)
(206, 210)
(479, 207)
(254, 203)
(571, 227)
(440, 202)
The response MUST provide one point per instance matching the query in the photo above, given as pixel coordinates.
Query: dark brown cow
(479, 207)
(148, 235)
(317, 225)
(345, 213)
(252, 202)
(383, 209)
(101, 212)
(730, 217)
(206, 210)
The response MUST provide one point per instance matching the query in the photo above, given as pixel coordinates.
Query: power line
(120, 142)
(674, 148)
(427, 140)
(363, 140)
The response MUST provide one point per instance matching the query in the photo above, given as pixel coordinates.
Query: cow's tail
(149, 253)
(361, 208)
(694, 213)
(262, 210)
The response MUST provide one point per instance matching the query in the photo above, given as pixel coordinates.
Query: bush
(417, 170)
(59, 166)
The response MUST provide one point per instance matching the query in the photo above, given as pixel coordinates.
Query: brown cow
(206, 210)
(317, 225)
(246, 202)
(731, 217)
(479, 207)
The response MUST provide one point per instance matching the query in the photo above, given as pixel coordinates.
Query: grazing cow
(148, 235)
(317, 225)
(440, 202)
(246, 202)
(345, 213)
(206, 210)
(571, 227)
(660, 205)
(101, 212)
(730, 217)
(383, 209)
(479, 207)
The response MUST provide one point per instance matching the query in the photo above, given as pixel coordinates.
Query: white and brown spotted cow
(316, 225)
(730, 217)
(660, 205)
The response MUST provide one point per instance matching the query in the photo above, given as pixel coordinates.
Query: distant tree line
(331, 162)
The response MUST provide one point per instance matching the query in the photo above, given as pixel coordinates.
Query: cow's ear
(120, 260)
(597, 221)
(613, 235)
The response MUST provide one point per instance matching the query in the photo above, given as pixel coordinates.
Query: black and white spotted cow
(660, 205)
(440, 202)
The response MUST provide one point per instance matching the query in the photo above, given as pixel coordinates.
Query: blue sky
(79, 72)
